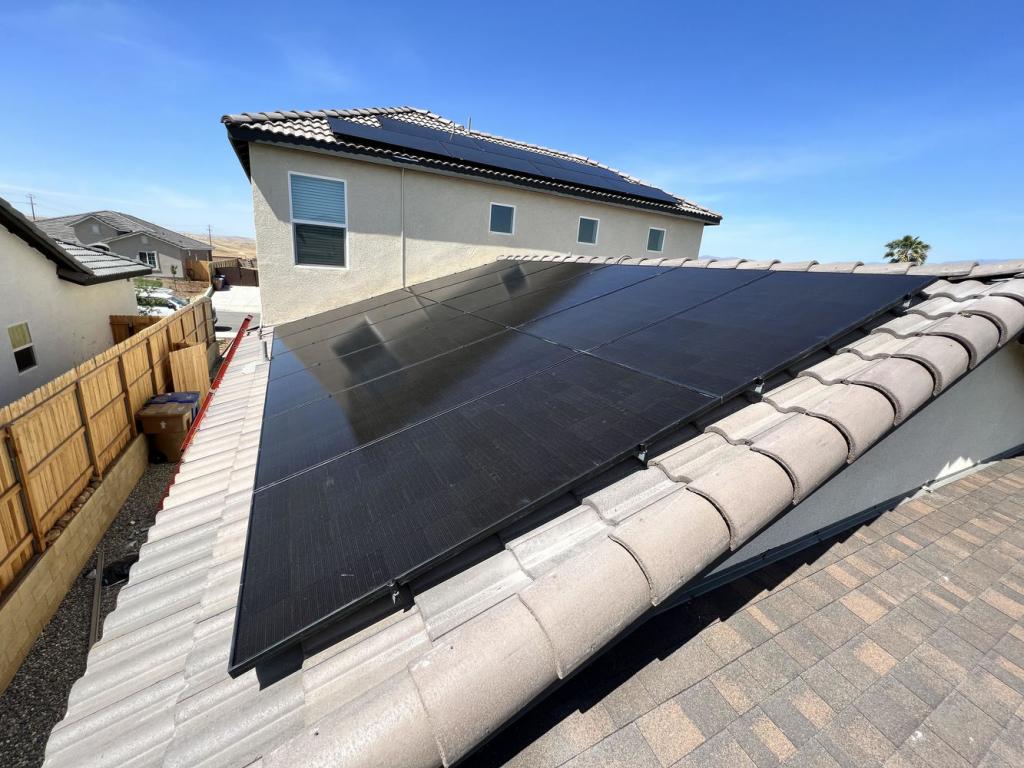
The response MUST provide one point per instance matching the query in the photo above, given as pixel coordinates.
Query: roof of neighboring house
(125, 224)
(486, 638)
(75, 263)
(311, 129)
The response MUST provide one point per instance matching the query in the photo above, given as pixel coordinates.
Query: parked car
(160, 303)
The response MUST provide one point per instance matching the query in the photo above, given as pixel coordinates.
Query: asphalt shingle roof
(425, 686)
(312, 128)
(61, 227)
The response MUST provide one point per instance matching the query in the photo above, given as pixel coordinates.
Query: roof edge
(241, 135)
(18, 224)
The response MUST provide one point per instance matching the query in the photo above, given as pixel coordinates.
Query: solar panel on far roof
(401, 430)
(478, 150)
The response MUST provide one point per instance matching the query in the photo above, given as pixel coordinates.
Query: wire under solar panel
(412, 433)
(494, 154)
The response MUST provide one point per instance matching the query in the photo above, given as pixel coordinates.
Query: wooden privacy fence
(123, 326)
(57, 439)
(237, 271)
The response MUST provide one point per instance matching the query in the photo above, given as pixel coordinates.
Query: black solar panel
(401, 430)
(493, 154)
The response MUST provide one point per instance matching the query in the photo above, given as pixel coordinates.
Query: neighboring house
(57, 298)
(129, 236)
(906, 634)
(353, 203)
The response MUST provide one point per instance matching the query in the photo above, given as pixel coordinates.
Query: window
(149, 257)
(319, 221)
(21, 344)
(655, 240)
(588, 231)
(503, 219)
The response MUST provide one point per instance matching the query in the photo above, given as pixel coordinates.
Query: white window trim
(31, 343)
(664, 239)
(490, 213)
(293, 221)
(597, 230)
(156, 260)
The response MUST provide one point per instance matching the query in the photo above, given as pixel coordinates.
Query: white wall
(446, 229)
(69, 323)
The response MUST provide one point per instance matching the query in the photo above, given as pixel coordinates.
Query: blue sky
(820, 130)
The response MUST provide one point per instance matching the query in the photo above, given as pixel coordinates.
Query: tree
(907, 249)
(174, 271)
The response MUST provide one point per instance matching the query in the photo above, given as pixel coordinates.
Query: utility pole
(32, 202)
(209, 234)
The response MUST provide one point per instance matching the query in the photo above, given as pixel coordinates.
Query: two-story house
(353, 203)
(163, 250)
(58, 297)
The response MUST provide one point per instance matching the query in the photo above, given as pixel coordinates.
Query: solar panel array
(401, 430)
(480, 151)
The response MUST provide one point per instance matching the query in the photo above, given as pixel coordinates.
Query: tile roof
(75, 263)
(103, 263)
(311, 128)
(62, 227)
(425, 685)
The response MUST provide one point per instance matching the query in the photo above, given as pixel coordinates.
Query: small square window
(587, 233)
(148, 257)
(19, 335)
(503, 219)
(25, 359)
(655, 240)
(21, 344)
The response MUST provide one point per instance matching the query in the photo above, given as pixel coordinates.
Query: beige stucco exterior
(441, 222)
(69, 323)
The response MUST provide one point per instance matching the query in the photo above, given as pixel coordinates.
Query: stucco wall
(69, 323)
(446, 229)
(167, 254)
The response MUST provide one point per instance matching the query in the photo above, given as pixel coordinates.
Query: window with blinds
(319, 220)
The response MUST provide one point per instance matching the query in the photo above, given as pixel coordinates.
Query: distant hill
(226, 247)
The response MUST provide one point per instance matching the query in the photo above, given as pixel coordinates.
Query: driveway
(237, 298)
(233, 304)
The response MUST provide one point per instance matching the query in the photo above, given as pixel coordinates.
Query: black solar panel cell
(335, 536)
(479, 151)
(400, 430)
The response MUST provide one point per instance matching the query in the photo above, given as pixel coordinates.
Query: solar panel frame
(494, 154)
(609, 283)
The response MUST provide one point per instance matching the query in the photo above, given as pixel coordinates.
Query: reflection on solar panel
(403, 429)
(478, 150)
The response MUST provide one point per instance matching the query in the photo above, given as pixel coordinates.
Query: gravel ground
(37, 697)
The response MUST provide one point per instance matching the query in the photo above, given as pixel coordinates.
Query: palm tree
(907, 248)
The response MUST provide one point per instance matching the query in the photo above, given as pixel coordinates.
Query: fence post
(84, 416)
(28, 503)
(127, 394)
